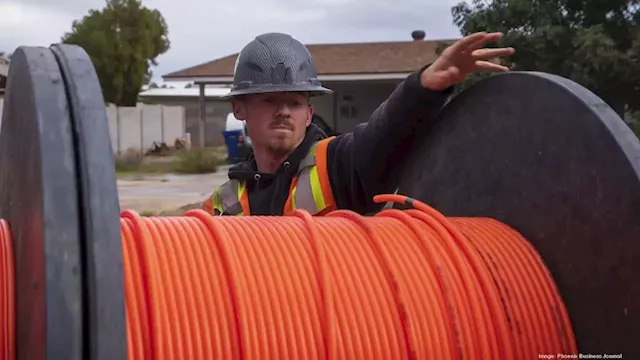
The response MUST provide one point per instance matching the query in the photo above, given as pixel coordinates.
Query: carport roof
(337, 62)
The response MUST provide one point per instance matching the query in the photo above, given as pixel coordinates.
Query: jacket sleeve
(363, 163)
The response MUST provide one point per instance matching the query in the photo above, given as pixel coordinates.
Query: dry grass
(132, 163)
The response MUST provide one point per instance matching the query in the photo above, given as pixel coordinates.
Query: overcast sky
(200, 30)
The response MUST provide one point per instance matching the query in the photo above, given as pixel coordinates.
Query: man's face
(275, 121)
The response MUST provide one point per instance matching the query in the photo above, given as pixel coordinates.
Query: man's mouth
(281, 127)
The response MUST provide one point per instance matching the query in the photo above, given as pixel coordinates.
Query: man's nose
(283, 109)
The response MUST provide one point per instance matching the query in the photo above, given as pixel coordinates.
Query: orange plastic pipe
(407, 284)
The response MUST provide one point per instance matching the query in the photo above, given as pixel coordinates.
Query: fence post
(162, 123)
(141, 130)
(119, 141)
(203, 116)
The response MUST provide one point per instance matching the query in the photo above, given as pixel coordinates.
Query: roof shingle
(331, 59)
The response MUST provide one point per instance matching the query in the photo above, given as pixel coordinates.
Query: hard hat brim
(313, 90)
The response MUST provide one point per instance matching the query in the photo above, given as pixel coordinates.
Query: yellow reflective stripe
(311, 197)
(316, 188)
(293, 197)
(242, 186)
(217, 201)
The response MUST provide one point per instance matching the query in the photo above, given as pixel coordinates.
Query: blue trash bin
(231, 139)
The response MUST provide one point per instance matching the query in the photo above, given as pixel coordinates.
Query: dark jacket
(361, 163)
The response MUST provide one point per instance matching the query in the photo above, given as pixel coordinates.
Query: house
(4, 71)
(362, 76)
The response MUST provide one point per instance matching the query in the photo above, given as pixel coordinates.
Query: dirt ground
(162, 193)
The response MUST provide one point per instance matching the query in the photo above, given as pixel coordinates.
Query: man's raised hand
(462, 58)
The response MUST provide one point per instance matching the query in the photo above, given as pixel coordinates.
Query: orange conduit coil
(406, 284)
(7, 289)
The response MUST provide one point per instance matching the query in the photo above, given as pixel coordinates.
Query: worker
(294, 164)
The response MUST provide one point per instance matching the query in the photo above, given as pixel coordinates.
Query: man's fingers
(462, 44)
(488, 38)
(487, 54)
(476, 45)
(489, 66)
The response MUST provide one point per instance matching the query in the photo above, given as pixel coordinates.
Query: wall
(356, 100)
(355, 103)
(138, 127)
(216, 118)
(323, 107)
(216, 115)
(351, 103)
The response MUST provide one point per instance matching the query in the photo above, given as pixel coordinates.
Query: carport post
(203, 116)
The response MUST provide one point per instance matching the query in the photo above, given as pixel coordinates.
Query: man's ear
(238, 109)
(310, 115)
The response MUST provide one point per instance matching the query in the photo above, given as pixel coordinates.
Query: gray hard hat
(275, 62)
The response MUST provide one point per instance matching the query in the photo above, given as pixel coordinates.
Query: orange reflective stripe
(311, 188)
(208, 205)
(323, 175)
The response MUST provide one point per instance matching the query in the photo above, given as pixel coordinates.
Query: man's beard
(281, 146)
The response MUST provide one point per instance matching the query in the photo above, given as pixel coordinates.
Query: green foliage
(129, 161)
(183, 161)
(123, 40)
(595, 43)
(197, 161)
(634, 123)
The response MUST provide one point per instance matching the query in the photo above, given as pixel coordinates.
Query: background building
(362, 76)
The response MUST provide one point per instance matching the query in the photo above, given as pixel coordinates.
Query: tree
(595, 43)
(123, 41)
(634, 123)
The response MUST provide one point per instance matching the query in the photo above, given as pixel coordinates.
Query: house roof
(338, 59)
(210, 92)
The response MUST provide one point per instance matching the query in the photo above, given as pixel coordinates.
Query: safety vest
(310, 188)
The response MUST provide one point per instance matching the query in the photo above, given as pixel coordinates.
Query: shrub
(130, 160)
(197, 161)
(160, 149)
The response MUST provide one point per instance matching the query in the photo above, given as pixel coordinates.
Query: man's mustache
(282, 123)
